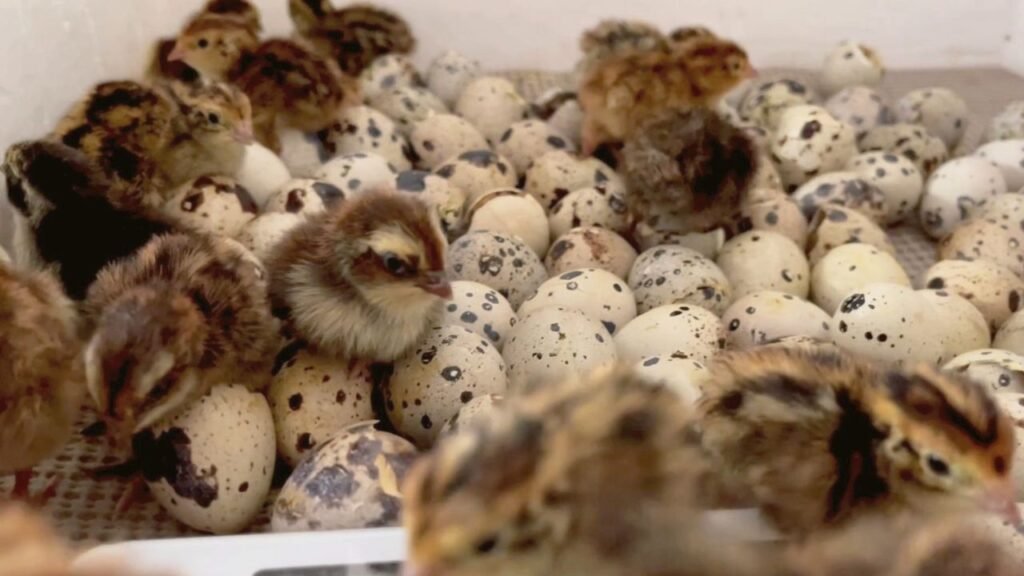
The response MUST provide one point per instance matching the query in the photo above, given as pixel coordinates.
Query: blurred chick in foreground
(365, 280)
(819, 437)
(620, 92)
(591, 478)
(353, 36)
(688, 170)
(41, 380)
(184, 314)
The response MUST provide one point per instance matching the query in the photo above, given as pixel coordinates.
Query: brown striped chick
(588, 478)
(182, 315)
(622, 91)
(163, 68)
(613, 38)
(687, 33)
(353, 36)
(819, 437)
(365, 280)
(41, 380)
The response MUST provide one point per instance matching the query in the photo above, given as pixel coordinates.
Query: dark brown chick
(184, 314)
(365, 280)
(353, 36)
(819, 437)
(623, 91)
(688, 170)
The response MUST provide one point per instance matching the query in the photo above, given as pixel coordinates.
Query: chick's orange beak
(436, 283)
(178, 54)
(1002, 500)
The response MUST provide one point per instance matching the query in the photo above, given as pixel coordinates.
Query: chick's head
(216, 112)
(716, 65)
(212, 45)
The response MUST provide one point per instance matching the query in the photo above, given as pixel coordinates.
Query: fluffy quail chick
(365, 280)
(72, 227)
(353, 36)
(819, 437)
(622, 91)
(688, 170)
(687, 33)
(612, 38)
(162, 67)
(590, 478)
(41, 381)
(184, 314)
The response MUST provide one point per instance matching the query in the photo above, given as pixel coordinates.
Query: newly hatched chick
(688, 170)
(41, 381)
(819, 437)
(687, 33)
(365, 280)
(163, 67)
(353, 36)
(74, 228)
(184, 314)
(622, 91)
(589, 478)
(612, 38)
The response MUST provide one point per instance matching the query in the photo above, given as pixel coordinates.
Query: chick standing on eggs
(366, 279)
(612, 38)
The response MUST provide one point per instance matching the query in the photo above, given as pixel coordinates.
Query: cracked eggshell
(889, 323)
(842, 188)
(449, 368)
(681, 330)
(897, 177)
(764, 317)
(590, 248)
(212, 205)
(482, 310)
(1001, 371)
(350, 482)
(1008, 155)
(851, 64)
(448, 200)
(262, 173)
(686, 377)
(835, 225)
(672, 274)
(759, 261)
(449, 74)
(302, 153)
(263, 234)
(358, 173)
(528, 140)
(361, 129)
(387, 73)
(441, 137)
(478, 411)
(994, 290)
(986, 238)
(771, 210)
(492, 105)
(810, 142)
(850, 267)
(554, 343)
(555, 175)
(957, 191)
(599, 294)
(477, 172)
(963, 326)
(212, 465)
(505, 263)
(927, 152)
(1011, 334)
(304, 197)
(940, 110)
(590, 207)
(862, 108)
(1008, 124)
(766, 103)
(408, 105)
(512, 212)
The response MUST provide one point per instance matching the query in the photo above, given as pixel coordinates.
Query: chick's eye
(213, 118)
(938, 466)
(396, 265)
(203, 43)
(487, 545)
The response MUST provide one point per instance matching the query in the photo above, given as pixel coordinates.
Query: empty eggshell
(1008, 124)
(851, 64)
(303, 154)
(213, 205)
(262, 173)
(759, 261)
(478, 411)
(836, 225)
(940, 110)
(684, 376)
(860, 107)
(591, 248)
(850, 267)
(528, 140)
(963, 327)
(442, 137)
(361, 129)
(408, 105)
(305, 197)
(599, 294)
(1008, 155)
(994, 290)
(512, 212)
(505, 263)
(449, 74)
(957, 191)
(589, 207)
(1011, 334)
(556, 174)
(429, 385)
(897, 177)
(1000, 371)
(477, 172)
(263, 234)
(492, 105)
(675, 275)
(352, 481)
(448, 200)
(889, 323)
(387, 73)
(676, 330)
(928, 152)
(986, 238)
(765, 104)
(481, 310)
(842, 188)
(764, 317)
(810, 142)
(358, 173)
(771, 210)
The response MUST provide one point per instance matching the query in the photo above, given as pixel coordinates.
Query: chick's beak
(178, 54)
(244, 135)
(436, 283)
(751, 73)
(410, 569)
(1002, 500)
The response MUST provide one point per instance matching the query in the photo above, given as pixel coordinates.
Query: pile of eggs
(552, 277)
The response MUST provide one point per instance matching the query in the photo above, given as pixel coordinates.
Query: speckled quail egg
(684, 376)
(940, 110)
(553, 343)
(555, 175)
(447, 199)
(361, 129)
(480, 309)
(849, 268)
(889, 323)
(675, 275)
(352, 481)
(441, 137)
(1011, 334)
(986, 238)
(1013, 406)
(851, 64)
(358, 173)
(478, 411)
(590, 248)
(568, 120)
(211, 466)
(449, 74)
(263, 234)
(957, 191)
(1008, 124)
(597, 293)
(1008, 155)
(528, 140)
(1006, 208)
(926, 151)
(505, 263)
(771, 210)
(302, 153)
(1000, 370)
(515, 213)
(680, 330)
(758, 261)
(994, 290)
(492, 105)
(810, 142)
(765, 104)
(262, 173)
(408, 105)
(764, 317)
(477, 172)
(842, 188)
(387, 73)
(861, 107)
(590, 207)
(897, 177)
(963, 327)
(449, 368)
(836, 225)
(213, 205)
(305, 197)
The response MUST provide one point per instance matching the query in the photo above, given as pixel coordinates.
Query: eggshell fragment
(1000, 371)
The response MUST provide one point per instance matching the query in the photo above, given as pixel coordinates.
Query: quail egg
(528, 140)
(477, 172)
(1011, 334)
(387, 73)
(358, 173)
(305, 197)
(449, 74)
(764, 317)
(1006, 208)
(860, 107)
(758, 261)
(478, 411)
(262, 235)
(1008, 124)
(262, 173)
(482, 310)
(999, 370)
(589, 207)
(1008, 155)
(810, 142)
(957, 191)
(836, 225)
(448, 200)
(689, 332)
(556, 174)
(851, 64)
(986, 238)
(515, 213)
(963, 327)
(505, 263)
(590, 248)
(940, 110)
(302, 153)
(897, 177)
(213, 205)
(686, 377)
(408, 105)
(849, 268)
(568, 120)
(364, 130)
(911, 140)
(675, 275)
(771, 210)
(597, 293)
(889, 323)
(766, 104)
(442, 137)
(843, 188)
(994, 290)
(492, 105)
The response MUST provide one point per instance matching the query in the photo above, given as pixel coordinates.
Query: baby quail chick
(41, 381)
(612, 38)
(354, 36)
(164, 67)
(365, 280)
(688, 170)
(60, 197)
(622, 91)
(184, 314)
(687, 33)
(241, 10)
(819, 437)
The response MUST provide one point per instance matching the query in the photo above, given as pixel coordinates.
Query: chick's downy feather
(353, 36)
